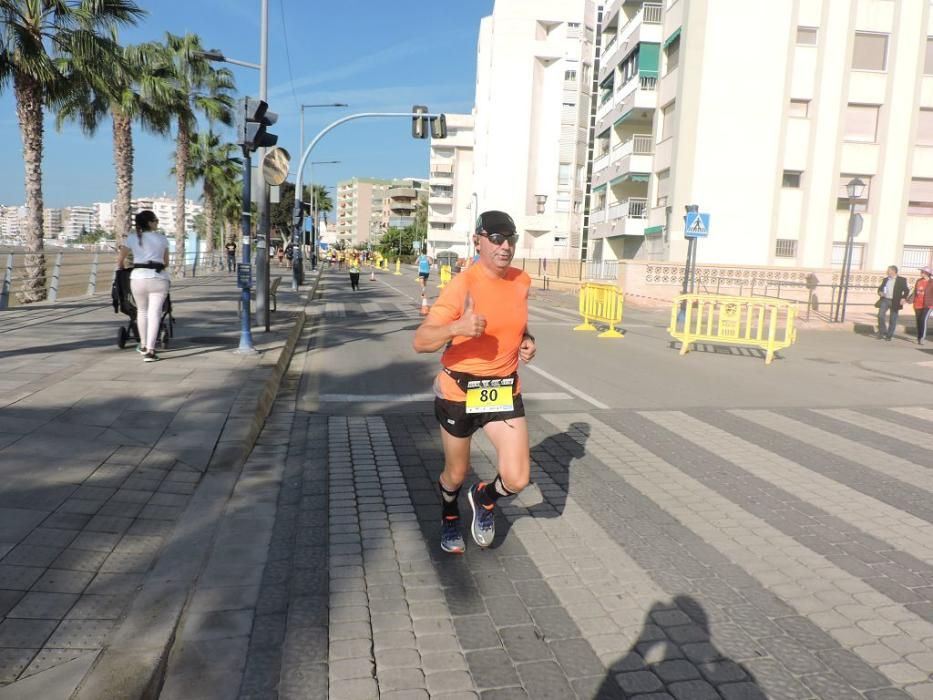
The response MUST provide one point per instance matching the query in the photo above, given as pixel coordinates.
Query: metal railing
(603, 270)
(653, 12)
(70, 273)
(632, 208)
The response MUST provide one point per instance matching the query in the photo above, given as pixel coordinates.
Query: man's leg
(456, 465)
(510, 438)
(882, 316)
(892, 326)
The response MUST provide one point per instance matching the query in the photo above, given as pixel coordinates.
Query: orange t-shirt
(503, 301)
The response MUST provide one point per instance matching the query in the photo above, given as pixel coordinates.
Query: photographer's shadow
(552, 459)
(655, 664)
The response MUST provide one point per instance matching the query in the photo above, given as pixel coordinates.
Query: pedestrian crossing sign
(697, 225)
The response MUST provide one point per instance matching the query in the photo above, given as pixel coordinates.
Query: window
(920, 197)
(871, 51)
(861, 123)
(925, 128)
(673, 55)
(799, 108)
(563, 201)
(563, 175)
(928, 57)
(917, 256)
(664, 188)
(806, 36)
(785, 248)
(842, 196)
(839, 254)
(570, 76)
(667, 122)
(791, 179)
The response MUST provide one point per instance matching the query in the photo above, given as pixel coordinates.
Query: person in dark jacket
(922, 298)
(892, 292)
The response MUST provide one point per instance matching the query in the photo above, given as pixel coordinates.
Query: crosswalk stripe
(917, 412)
(805, 580)
(877, 460)
(888, 429)
(333, 308)
(887, 523)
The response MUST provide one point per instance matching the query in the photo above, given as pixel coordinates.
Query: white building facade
(450, 201)
(760, 113)
(164, 208)
(532, 108)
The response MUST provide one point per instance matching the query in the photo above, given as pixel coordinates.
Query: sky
(371, 54)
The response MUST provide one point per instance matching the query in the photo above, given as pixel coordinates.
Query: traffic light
(439, 127)
(255, 117)
(298, 212)
(419, 123)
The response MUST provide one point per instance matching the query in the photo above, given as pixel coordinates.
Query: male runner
(424, 270)
(481, 319)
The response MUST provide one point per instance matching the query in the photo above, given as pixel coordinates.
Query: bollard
(398, 266)
(444, 276)
(7, 280)
(56, 275)
(92, 278)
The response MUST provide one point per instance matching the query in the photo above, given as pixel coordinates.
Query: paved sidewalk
(101, 456)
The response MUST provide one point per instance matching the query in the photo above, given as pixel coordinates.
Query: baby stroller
(122, 300)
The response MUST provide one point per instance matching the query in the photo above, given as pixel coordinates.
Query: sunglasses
(500, 238)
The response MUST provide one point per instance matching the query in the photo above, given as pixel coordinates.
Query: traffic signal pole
(262, 231)
(419, 130)
(246, 335)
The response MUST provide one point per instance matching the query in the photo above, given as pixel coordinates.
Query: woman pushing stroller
(149, 280)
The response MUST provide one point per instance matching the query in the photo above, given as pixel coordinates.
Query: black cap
(494, 222)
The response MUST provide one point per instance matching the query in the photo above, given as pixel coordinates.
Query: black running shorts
(455, 420)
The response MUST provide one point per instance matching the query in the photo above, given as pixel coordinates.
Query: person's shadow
(551, 461)
(656, 664)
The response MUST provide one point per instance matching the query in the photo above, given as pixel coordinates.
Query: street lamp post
(854, 189)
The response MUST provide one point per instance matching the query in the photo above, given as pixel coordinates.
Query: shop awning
(629, 177)
(672, 38)
(600, 188)
(654, 230)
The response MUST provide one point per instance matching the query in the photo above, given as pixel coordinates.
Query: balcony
(640, 92)
(437, 217)
(624, 218)
(402, 193)
(644, 26)
(445, 196)
(601, 163)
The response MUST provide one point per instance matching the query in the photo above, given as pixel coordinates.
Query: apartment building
(360, 205)
(78, 220)
(532, 106)
(450, 201)
(164, 208)
(401, 201)
(52, 223)
(761, 113)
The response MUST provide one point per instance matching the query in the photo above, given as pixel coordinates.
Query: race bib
(489, 395)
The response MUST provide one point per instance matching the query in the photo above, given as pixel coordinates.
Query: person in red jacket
(922, 298)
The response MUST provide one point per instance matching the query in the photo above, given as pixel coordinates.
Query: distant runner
(481, 321)
(424, 269)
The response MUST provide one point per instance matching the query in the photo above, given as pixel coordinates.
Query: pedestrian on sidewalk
(481, 321)
(922, 298)
(231, 255)
(354, 267)
(892, 292)
(149, 280)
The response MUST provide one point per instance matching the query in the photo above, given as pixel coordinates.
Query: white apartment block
(164, 209)
(104, 212)
(533, 93)
(11, 224)
(760, 113)
(360, 205)
(450, 202)
(76, 221)
(52, 223)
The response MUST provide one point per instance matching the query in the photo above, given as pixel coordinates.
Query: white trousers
(149, 293)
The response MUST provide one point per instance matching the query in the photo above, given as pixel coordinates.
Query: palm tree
(321, 199)
(202, 90)
(230, 207)
(135, 88)
(34, 36)
(214, 164)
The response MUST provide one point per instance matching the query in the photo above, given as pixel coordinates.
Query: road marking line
(564, 385)
(409, 398)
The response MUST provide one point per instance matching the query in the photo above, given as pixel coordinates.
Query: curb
(132, 666)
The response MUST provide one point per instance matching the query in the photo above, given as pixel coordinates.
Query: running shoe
(483, 527)
(151, 357)
(140, 349)
(451, 539)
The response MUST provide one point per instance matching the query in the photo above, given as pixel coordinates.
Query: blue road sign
(244, 275)
(697, 225)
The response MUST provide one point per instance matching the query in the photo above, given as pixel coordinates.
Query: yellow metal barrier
(445, 276)
(601, 303)
(758, 322)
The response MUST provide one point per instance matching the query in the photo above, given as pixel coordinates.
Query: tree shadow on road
(691, 668)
